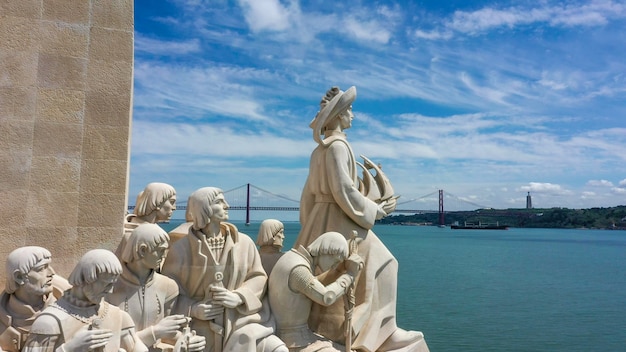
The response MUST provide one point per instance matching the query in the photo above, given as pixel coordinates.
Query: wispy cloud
(548, 188)
(476, 22)
(145, 45)
(600, 183)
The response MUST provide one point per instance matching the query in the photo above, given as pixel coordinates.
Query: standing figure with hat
(333, 200)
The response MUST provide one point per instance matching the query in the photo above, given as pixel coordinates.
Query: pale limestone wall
(65, 112)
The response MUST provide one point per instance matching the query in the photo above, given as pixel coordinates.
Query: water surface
(514, 290)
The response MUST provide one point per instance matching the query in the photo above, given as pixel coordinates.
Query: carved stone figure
(31, 285)
(156, 203)
(293, 289)
(81, 320)
(221, 279)
(270, 240)
(332, 200)
(147, 295)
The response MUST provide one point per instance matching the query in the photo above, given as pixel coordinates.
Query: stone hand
(88, 340)
(390, 205)
(354, 263)
(206, 311)
(169, 326)
(196, 343)
(226, 297)
(380, 212)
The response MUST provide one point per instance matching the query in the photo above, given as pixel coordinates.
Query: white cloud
(268, 15)
(619, 190)
(368, 30)
(600, 183)
(208, 141)
(587, 195)
(622, 183)
(596, 13)
(547, 188)
(152, 46)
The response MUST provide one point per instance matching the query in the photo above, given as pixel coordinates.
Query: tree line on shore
(593, 218)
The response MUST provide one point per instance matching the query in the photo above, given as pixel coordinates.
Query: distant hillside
(596, 218)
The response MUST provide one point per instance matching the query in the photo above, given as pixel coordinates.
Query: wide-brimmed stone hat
(340, 103)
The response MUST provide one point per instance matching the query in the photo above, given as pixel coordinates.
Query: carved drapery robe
(189, 263)
(331, 201)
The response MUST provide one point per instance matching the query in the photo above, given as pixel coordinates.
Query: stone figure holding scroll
(147, 295)
(81, 320)
(335, 199)
(293, 289)
(221, 279)
(270, 240)
(31, 285)
(156, 203)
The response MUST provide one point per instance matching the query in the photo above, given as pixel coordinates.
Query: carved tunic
(69, 319)
(147, 304)
(16, 318)
(331, 201)
(191, 264)
(269, 257)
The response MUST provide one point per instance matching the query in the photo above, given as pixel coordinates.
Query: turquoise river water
(515, 290)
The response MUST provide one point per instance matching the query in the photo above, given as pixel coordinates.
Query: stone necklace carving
(99, 312)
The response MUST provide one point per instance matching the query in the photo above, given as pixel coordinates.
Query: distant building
(529, 201)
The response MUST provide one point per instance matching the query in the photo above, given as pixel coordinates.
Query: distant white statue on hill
(335, 199)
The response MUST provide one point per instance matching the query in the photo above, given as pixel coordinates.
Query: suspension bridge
(250, 198)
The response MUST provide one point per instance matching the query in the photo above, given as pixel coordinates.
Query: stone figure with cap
(335, 198)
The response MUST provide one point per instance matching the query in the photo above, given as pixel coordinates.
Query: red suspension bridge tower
(441, 217)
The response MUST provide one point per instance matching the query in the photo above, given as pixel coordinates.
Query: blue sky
(485, 99)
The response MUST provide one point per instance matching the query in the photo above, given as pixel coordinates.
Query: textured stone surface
(65, 105)
(61, 105)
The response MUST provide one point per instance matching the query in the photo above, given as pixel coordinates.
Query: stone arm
(170, 299)
(252, 290)
(302, 280)
(339, 167)
(44, 336)
(129, 341)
